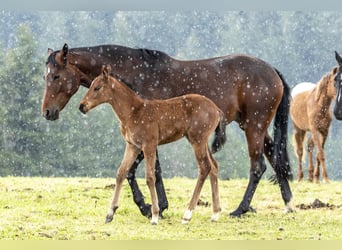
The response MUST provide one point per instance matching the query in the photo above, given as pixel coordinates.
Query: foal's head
(99, 91)
(326, 86)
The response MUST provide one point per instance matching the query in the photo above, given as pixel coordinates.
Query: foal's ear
(338, 58)
(106, 71)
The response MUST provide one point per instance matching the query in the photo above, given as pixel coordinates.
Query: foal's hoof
(109, 218)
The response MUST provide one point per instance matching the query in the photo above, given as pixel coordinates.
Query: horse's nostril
(82, 108)
(46, 113)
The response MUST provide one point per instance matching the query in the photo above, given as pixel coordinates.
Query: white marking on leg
(187, 216)
(215, 217)
(154, 220)
(289, 207)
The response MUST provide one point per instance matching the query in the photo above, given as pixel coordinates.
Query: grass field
(75, 208)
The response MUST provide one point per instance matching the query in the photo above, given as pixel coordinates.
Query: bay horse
(247, 89)
(145, 124)
(310, 111)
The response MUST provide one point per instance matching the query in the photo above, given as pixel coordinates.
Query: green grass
(75, 208)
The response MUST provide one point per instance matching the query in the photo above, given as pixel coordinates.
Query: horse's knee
(258, 168)
(150, 180)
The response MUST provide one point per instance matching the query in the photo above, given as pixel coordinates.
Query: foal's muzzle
(83, 108)
(51, 114)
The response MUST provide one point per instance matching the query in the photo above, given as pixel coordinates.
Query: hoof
(146, 210)
(187, 217)
(154, 220)
(185, 221)
(215, 217)
(239, 211)
(109, 218)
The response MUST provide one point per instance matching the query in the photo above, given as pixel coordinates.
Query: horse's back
(299, 106)
(302, 87)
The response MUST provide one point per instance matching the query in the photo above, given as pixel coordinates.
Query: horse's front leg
(131, 153)
(138, 197)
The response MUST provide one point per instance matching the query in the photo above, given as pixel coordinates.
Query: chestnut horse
(247, 89)
(310, 111)
(145, 124)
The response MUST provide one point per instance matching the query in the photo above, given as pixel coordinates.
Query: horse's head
(338, 86)
(98, 92)
(62, 81)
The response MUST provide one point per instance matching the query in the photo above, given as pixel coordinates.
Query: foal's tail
(280, 156)
(220, 135)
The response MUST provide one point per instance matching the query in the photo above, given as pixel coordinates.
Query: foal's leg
(150, 157)
(204, 167)
(319, 140)
(131, 153)
(310, 149)
(138, 197)
(298, 140)
(324, 167)
(213, 174)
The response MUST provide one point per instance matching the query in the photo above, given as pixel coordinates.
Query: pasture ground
(75, 209)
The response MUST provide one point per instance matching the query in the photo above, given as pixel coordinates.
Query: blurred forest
(301, 45)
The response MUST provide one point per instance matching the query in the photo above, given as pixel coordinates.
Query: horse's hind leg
(131, 153)
(255, 140)
(138, 197)
(204, 167)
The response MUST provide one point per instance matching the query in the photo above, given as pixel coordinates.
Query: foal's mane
(323, 84)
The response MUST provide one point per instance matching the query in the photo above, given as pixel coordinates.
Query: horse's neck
(124, 101)
(89, 61)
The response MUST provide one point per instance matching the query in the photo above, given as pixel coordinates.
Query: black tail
(280, 155)
(220, 135)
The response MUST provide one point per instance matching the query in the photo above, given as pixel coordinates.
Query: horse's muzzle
(338, 112)
(83, 108)
(51, 115)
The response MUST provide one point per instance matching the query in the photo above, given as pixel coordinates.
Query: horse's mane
(152, 56)
(110, 51)
(322, 85)
(51, 59)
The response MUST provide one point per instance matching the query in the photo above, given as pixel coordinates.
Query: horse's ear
(106, 71)
(334, 71)
(49, 51)
(338, 58)
(65, 53)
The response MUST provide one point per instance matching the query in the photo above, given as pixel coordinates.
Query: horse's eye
(56, 77)
(97, 88)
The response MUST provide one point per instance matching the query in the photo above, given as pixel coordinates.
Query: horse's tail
(220, 135)
(280, 156)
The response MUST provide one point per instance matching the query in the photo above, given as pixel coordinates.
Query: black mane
(115, 51)
(51, 59)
